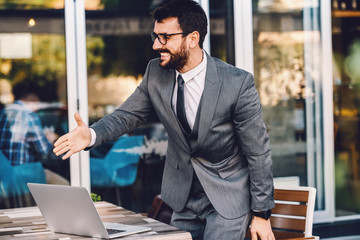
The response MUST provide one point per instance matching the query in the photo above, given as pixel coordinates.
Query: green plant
(95, 197)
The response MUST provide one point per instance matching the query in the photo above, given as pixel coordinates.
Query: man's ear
(194, 39)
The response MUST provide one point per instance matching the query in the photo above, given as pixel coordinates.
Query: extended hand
(74, 141)
(262, 228)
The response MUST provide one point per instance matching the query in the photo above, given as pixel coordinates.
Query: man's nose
(156, 45)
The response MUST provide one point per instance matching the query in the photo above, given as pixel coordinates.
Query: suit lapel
(209, 99)
(168, 82)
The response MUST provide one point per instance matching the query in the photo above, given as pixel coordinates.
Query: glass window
(286, 39)
(119, 48)
(32, 97)
(222, 30)
(346, 93)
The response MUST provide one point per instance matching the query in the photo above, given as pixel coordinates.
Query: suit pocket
(220, 120)
(233, 166)
(171, 161)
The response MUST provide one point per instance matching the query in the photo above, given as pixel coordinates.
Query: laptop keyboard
(113, 231)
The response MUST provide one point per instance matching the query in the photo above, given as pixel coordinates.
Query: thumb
(78, 120)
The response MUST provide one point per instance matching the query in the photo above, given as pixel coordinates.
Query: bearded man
(218, 168)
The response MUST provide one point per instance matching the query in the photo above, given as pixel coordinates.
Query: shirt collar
(194, 72)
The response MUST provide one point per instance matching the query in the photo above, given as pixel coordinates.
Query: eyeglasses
(163, 38)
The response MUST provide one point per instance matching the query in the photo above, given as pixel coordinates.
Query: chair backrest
(13, 179)
(119, 167)
(4, 162)
(293, 214)
(6, 175)
(159, 210)
(128, 142)
(125, 145)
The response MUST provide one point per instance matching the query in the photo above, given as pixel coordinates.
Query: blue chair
(120, 165)
(13, 179)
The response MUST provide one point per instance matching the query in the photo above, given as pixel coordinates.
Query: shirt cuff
(93, 137)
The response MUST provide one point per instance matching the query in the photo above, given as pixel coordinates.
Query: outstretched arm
(74, 141)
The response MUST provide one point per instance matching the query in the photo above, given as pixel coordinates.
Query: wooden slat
(288, 223)
(289, 209)
(302, 238)
(291, 195)
(282, 235)
(287, 235)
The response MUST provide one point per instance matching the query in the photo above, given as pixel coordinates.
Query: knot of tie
(180, 81)
(180, 105)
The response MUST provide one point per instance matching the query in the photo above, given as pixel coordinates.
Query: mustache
(164, 51)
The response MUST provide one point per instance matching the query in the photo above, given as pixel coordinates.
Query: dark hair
(24, 89)
(190, 15)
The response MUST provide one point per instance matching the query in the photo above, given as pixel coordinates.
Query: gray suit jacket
(232, 157)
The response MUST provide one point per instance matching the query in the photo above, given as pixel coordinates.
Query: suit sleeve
(255, 144)
(136, 110)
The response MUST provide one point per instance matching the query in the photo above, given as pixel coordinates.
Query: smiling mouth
(164, 55)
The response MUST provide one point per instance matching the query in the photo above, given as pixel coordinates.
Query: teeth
(164, 54)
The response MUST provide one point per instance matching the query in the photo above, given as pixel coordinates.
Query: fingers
(60, 141)
(253, 236)
(62, 145)
(68, 154)
(62, 148)
(74, 141)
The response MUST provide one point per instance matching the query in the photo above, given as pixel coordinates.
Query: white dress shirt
(194, 83)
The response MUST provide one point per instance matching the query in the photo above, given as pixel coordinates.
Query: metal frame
(205, 5)
(328, 117)
(243, 28)
(313, 76)
(77, 84)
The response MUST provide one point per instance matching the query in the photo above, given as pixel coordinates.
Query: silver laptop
(71, 210)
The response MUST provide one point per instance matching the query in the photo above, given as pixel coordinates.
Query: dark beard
(178, 60)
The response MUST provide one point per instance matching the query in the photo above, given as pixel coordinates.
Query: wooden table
(28, 223)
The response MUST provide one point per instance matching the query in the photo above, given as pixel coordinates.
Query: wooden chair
(292, 217)
(159, 210)
(13, 182)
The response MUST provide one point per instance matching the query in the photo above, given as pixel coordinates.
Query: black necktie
(180, 105)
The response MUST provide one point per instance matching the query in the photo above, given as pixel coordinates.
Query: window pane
(346, 52)
(31, 5)
(286, 69)
(222, 30)
(32, 96)
(218, 29)
(119, 48)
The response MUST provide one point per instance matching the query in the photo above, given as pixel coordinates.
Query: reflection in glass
(31, 4)
(346, 97)
(119, 47)
(218, 34)
(285, 71)
(32, 52)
